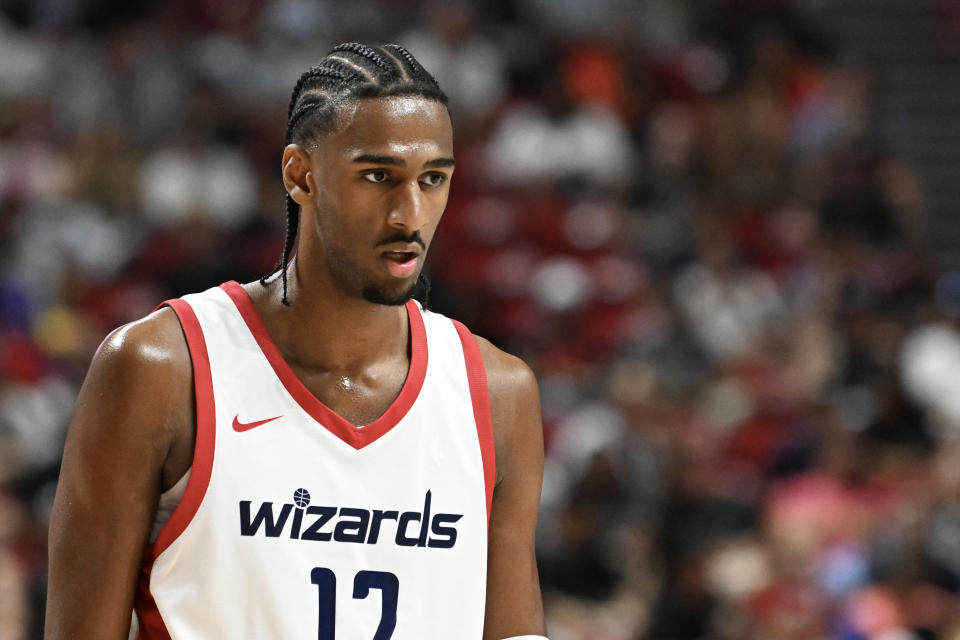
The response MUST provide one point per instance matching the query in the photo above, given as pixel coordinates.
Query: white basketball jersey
(296, 524)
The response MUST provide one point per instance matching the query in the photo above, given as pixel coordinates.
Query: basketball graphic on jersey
(301, 498)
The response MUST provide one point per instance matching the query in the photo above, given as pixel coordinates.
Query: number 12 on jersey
(363, 582)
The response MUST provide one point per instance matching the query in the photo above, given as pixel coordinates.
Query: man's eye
(434, 179)
(375, 176)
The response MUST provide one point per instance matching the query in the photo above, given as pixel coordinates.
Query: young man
(313, 455)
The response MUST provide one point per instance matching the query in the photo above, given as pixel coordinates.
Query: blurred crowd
(680, 213)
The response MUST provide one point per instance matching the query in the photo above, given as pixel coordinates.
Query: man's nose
(408, 208)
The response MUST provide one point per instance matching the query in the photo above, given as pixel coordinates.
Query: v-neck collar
(356, 437)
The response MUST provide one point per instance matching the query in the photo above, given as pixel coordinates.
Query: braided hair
(350, 72)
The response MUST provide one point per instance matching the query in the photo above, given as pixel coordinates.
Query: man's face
(382, 181)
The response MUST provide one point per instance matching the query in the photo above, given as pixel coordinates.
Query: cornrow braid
(424, 282)
(293, 224)
(335, 70)
(364, 51)
(406, 55)
(350, 72)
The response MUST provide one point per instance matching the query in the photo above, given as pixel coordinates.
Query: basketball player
(313, 455)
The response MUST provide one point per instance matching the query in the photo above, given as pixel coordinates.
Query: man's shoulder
(514, 408)
(507, 375)
(154, 343)
(139, 387)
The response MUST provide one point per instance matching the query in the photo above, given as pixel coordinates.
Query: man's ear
(297, 178)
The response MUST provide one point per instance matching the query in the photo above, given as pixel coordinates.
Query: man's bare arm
(514, 606)
(133, 417)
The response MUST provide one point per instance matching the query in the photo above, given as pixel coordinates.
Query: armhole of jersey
(205, 434)
(149, 621)
(480, 398)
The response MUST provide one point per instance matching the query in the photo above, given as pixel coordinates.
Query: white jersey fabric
(296, 524)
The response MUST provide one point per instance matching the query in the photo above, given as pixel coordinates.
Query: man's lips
(402, 261)
(403, 247)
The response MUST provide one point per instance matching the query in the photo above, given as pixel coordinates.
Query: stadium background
(721, 231)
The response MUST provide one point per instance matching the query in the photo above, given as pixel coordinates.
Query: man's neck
(325, 330)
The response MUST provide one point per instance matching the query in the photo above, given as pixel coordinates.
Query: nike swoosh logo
(240, 427)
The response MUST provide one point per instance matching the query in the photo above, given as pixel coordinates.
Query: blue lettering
(352, 530)
(378, 517)
(439, 530)
(272, 527)
(313, 531)
(402, 538)
(350, 524)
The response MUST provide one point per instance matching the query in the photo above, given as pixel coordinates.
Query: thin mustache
(399, 237)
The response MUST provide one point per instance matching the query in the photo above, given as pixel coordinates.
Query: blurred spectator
(468, 65)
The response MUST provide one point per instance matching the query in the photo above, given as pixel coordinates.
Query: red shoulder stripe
(151, 623)
(480, 397)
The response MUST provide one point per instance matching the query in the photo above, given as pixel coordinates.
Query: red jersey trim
(356, 437)
(151, 623)
(480, 398)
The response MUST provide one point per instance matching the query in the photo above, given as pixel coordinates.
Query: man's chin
(381, 295)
